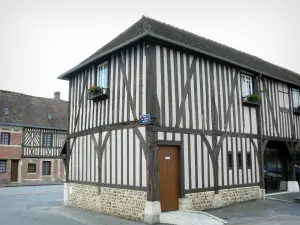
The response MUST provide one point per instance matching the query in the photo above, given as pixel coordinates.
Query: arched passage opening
(278, 166)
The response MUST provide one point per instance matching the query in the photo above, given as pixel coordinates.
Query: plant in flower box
(95, 90)
(253, 98)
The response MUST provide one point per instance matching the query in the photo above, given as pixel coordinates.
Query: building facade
(224, 125)
(33, 131)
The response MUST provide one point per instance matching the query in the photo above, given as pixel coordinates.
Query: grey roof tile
(147, 26)
(26, 110)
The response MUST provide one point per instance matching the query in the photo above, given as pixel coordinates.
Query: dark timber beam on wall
(152, 108)
(152, 167)
(261, 146)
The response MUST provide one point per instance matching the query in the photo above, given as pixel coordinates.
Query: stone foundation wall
(129, 204)
(238, 195)
(209, 200)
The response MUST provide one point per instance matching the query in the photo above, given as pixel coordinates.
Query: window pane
(31, 168)
(105, 76)
(246, 85)
(295, 98)
(2, 166)
(46, 168)
(5, 138)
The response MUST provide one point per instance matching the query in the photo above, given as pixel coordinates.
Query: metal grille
(46, 168)
(5, 138)
(48, 140)
(2, 166)
(31, 168)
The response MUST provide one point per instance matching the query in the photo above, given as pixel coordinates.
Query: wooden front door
(14, 171)
(169, 177)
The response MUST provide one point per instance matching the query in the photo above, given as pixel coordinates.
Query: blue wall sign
(145, 119)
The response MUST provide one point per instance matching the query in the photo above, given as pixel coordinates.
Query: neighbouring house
(162, 119)
(33, 131)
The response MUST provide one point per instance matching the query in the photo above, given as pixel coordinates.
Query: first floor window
(246, 85)
(31, 168)
(249, 160)
(239, 160)
(102, 75)
(46, 170)
(2, 166)
(229, 160)
(296, 98)
(5, 138)
(47, 140)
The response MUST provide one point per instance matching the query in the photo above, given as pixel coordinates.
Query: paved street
(266, 212)
(42, 205)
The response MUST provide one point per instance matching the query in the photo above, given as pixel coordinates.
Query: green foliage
(95, 90)
(296, 156)
(253, 98)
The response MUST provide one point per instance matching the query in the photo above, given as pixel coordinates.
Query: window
(296, 98)
(102, 75)
(5, 110)
(5, 138)
(2, 166)
(47, 140)
(249, 160)
(283, 95)
(229, 160)
(46, 170)
(239, 160)
(246, 85)
(31, 168)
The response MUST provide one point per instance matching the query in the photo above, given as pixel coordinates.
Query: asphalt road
(43, 205)
(279, 210)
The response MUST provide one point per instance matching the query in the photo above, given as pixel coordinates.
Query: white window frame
(102, 79)
(296, 97)
(247, 87)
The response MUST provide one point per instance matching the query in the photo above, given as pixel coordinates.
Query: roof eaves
(64, 75)
(216, 56)
(33, 126)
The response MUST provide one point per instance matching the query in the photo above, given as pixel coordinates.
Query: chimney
(57, 95)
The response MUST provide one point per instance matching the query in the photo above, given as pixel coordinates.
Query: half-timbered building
(33, 131)
(223, 125)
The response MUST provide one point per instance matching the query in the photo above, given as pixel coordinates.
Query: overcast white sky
(39, 39)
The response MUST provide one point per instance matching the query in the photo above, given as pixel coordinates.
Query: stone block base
(129, 204)
(210, 200)
(152, 212)
(290, 186)
(185, 204)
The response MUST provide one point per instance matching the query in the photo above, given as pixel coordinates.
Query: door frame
(179, 146)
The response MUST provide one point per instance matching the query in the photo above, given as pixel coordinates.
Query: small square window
(2, 166)
(249, 160)
(5, 138)
(239, 160)
(229, 160)
(46, 170)
(48, 140)
(246, 85)
(102, 75)
(5, 110)
(31, 168)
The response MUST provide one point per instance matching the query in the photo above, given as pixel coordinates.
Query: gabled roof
(30, 111)
(150, 27)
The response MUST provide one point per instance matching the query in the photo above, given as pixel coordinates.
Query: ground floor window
(31, 168)
(2, 166)
(46, 170)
